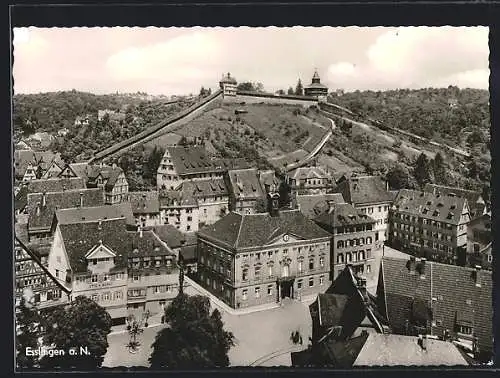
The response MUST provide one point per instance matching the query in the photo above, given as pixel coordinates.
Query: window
(311, 263)
(105, 278)
(269, 289)
(244, 294)
(380, 209)
(311, 282)
(257, 292)
(368, 269)
(466, 330)
(57, 273)
(118, 295)
(286, 271)
(285, 252)
(245, 274)
(106, 296)
(257, 272)
(299, 284)
(135, 278)
(321, 280)
(348, 257)
(93, 279)
(370, 210)
(340, 258)
(300, 265)
(340, 244)
(270, 271)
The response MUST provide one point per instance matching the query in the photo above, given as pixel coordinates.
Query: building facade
(316, 88)
(248, 260)
(145, 207)
(353, 239)
(182, 213)
(228, 85)
(245, 191)
(430, 225)
(309, 180)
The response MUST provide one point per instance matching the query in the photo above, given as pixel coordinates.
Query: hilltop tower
(316, 89)
(228, 85)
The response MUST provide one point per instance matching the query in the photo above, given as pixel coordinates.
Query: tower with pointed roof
(228, 85)
(316, 89)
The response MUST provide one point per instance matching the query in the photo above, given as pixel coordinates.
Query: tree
(299, 89)
(81, 324)
(194, 338)
(27, 334)
(261, 205)
(153, 162)
(399, 177)
(250, 87)
(422, 170)
(290, 91)
(439, 169)
(280, 92)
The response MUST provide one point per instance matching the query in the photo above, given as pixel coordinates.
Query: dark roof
(42, 217)
(474, 199)
(194, 189)
(245, 184)
(188, 253)
(79, 169)
(96, 213)
(169, 235)
(227, 79)
(432, 206)
(146, 244)
(342, 353)
(46, 185)
(341, 215)
(399, 350)
(308, 172)
(252, 230)
(331, 308)
(312, 205)
(80, 238)
(268, 178)
(145, 202)
(316, 85)
(109, 174)
(22, 158)
(363, 190)
(188, 160)
(452, 286)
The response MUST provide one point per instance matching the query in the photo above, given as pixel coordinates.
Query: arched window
(362, 255)
(352, 242)
(361, 241)
(245, 274)
(348, 257)
(369, 240)
(357, 241)
(286, 271)
(340, 258)
(301, 264)
(354, 256)
(321, 262)
(311, 263)
(340, 244)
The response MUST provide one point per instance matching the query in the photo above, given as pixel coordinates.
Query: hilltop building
(316, 88)
(430, 225)
(248, 260)
(309, 180)
(228, 85)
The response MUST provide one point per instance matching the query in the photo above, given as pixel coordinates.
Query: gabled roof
(194, 189)
(331, 309)
(146, 244)
(194, 159)
(78, 169)
(169, 235)
(312, 205)
(23, 158)
(360, 190)
(431, 206)
(474, 199)
(308, 172)
(268, 178)
(41, 218)
(109, 174)
(341, 215)
(96, 213)
(80, 238)
(245, 184)
(399, 350)
(145, 202)
(253, 230)
(453, 287)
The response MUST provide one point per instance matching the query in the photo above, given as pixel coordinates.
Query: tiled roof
(308, 172)
(110, 174)
(474, 199)
(252, 230)
(203, 188)
(399, 350)
(96, 213)
(363, 190)
(22, 158)
(342, 353)
(331, 309)
(245, 184)
(188, 160)
(452, 286)
(343, 214)
(169, 234)
(188, 253)
(146, 244)
(312, 205)
(46, 185)
(43, 217)
(268, 178)
(79, 169)
(145, 202)
(80, 238)
(432, 206)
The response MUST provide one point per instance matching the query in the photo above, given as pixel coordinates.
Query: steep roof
(454, 288)
(110, 174)
(253, 230)
(474, 199)
(244, 183)
(203, 188)
(331, 308)
(308, 172)
(145, 202)
(399, 350)
(22, 158)
(42, 217)
(146, 244)
(194, 159)
(169, 235)
(96, 213)
(312, 205)
(268, 178)
(79, 169)
(432, 206)
(46, 185)
(341, 215)
(111, 232)
(363, 190)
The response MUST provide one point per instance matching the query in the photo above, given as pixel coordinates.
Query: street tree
(194, 337)
(80, 324)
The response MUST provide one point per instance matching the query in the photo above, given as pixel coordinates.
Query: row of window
(424, 242)
(354, 242)
(270, 288)
(369, 210)
(424, 221)
(353, 256)
(106, 296)
(100, 278)
(163, 289)
(285, 269)
(157, 262)
(352, 229)
(435, 235)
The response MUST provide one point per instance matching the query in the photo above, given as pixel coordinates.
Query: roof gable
(100, 251)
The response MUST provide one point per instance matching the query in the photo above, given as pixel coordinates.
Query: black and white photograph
(225, 197)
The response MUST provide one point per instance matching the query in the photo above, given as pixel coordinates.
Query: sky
(177, 61)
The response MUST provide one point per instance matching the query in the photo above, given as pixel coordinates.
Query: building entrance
(286, 288)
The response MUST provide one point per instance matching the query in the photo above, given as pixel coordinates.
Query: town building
(245, 191)
(171, 236)
(477, 205)
(353, 240)
(145, 207)
(178, 211)
(369, 194)
(22, 145)
(268, 180)
(312, 205)
(420, 297)
(228, 85)
(430, 225)
(32, 275)
(112, 179)
(53, 170)
(479, 242)
(41, 208)
(82, 120)
(253, 259)
(30, 165)
(75, 170)
(316, 89)
(309, 180)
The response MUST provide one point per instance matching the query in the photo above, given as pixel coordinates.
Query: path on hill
(315, 150)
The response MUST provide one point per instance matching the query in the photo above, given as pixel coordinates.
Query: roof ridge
(239, 230)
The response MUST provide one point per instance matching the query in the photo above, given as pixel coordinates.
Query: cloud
(418, 57)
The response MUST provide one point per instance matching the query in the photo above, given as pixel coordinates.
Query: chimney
(273, 204)
(475, 275)
(44, 200)
(410, 264)
(421, 267)
(81, 199)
